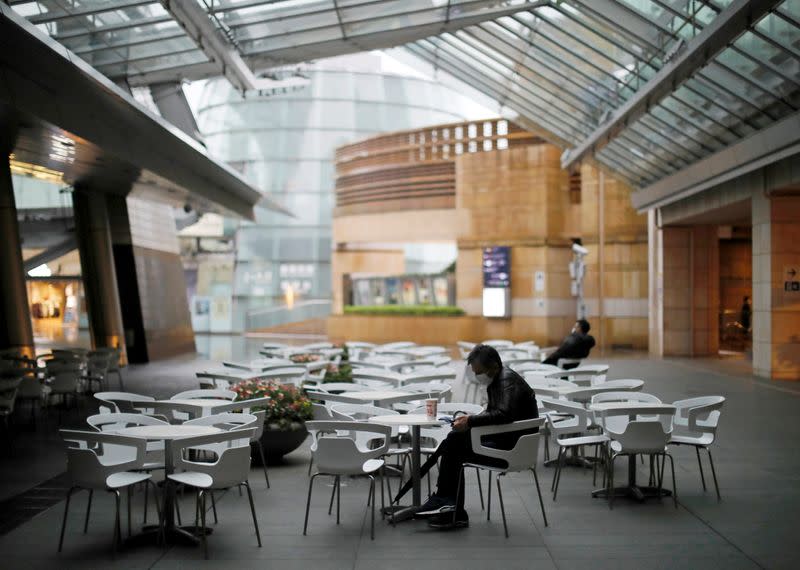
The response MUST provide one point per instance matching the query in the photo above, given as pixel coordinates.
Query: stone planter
(278, 442)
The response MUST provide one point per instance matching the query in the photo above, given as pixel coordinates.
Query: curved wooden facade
(415, 170)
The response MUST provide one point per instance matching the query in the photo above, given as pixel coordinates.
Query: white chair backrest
(623, 396)
(213, 384)
(498, 343)
(226, 421)
(559, 408)
(64, 381)
(116, 421)
(92, 456)
(341, 455)
(585, 394)
(120, 401)
(525, 452)
(211, 394)
(232, 464)
(699, 415)
(639, 435)
(396, 345)
(321, 412)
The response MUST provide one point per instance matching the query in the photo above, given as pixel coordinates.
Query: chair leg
(372, 496)
(674, 487)
(130, 500)
(308, 501)
(202, 497)
(253, 512)
(562, 454)
(489, 499)
(310, 464)
(611, 483)
(88, 510)
(158, 508)
(333, 494)
(555, 472)
(539, 492)
(264, 463)
(338, 498)
(117, 525)
(146, 493)
(461, 482)
(713, 473)
(594, 465)
(502, 506)
(213, 505)
(700, 464)
(383, 497)
(178, 510)
(480, 487)
(64, 521)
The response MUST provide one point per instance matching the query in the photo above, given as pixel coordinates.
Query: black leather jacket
(510, 400)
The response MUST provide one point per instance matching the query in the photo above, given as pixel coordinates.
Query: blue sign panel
(497, 266)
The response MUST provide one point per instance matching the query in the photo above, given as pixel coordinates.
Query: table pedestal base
(186, 535)
(634, 492)
(401, 513)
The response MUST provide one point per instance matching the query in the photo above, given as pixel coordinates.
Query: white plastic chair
(584, 395)
(548, 387)
(639, 437)
(90, 467)
(571, 419)
(98, 364)
(320, 412)
(521, 458)
(31, 390)
(588, 375)
(231, 469)
(337, 456)
(114, 366)
(122, 402)
(696, 421)
(8, 398)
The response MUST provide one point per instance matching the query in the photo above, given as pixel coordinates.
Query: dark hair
(746, 298)
(486, 355)
(585, 326)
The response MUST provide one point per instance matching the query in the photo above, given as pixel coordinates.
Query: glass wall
(284, 145)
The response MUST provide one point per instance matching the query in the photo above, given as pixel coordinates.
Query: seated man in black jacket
(510, 400)
(577, 344)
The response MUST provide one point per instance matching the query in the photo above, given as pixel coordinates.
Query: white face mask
(483, 379)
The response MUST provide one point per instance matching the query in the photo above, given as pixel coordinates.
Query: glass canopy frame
(564, 65)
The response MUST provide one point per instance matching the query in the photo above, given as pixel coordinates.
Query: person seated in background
(577, 345)
(510, 400)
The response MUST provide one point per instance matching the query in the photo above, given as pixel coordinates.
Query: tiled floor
(754, 525)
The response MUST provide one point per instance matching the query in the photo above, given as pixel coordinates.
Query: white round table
(416, 421)
(167, 433)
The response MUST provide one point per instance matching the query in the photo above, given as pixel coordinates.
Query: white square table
(632, 490)
(167, 433)
(415, 421)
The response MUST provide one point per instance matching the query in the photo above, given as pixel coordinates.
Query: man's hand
(461, 423)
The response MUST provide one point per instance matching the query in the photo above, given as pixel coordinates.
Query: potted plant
(286, 413)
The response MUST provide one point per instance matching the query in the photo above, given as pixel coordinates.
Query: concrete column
(97, 267)
(762, 285)
(776, 293)
(16, 331)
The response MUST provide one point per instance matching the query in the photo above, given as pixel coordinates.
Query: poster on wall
(496, 268)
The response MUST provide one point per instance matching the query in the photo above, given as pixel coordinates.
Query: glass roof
(568, 65)
(564, 65)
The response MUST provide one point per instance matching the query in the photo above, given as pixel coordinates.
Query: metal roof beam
(776, 142)
(194, 19)
(699, 50)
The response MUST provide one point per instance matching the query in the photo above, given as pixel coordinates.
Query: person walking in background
(747, 313)
(577, 344)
